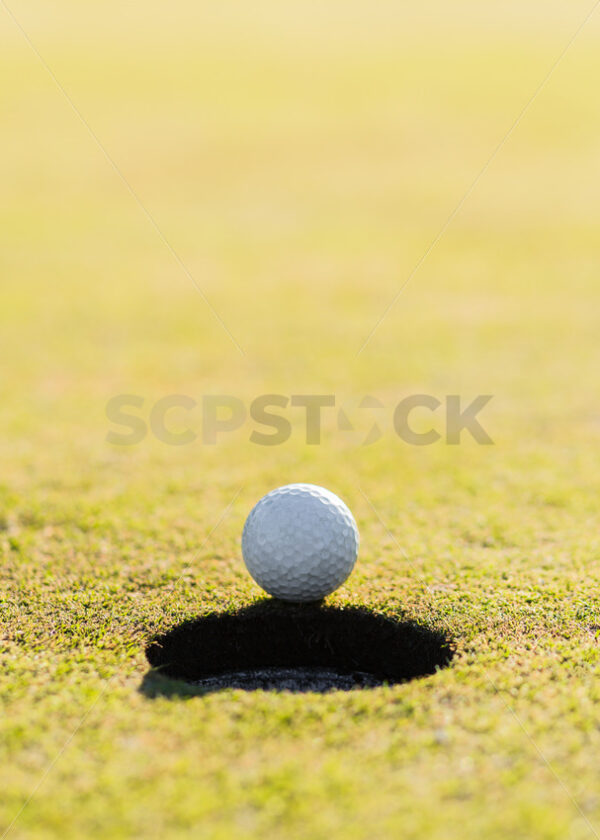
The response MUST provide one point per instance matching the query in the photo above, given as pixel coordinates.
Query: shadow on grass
(291, 647)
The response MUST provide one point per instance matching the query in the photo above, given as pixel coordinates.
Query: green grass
(300, 158)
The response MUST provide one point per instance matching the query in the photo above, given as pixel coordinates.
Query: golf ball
(300, 542)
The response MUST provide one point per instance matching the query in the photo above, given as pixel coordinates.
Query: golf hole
(288, 647)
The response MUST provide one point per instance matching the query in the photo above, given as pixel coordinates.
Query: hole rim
(271, 634)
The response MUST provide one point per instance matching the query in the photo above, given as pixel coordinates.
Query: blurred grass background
(300, 159)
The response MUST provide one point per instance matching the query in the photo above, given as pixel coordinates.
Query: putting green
(290, 164)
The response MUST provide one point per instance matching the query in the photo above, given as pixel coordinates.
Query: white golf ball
(300, 542)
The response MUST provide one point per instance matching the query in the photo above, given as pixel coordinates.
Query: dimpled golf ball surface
(300, 542)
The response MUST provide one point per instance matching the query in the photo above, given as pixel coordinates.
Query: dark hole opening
(304, 647)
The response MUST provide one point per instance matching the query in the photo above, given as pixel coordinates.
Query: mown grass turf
(300, 159)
